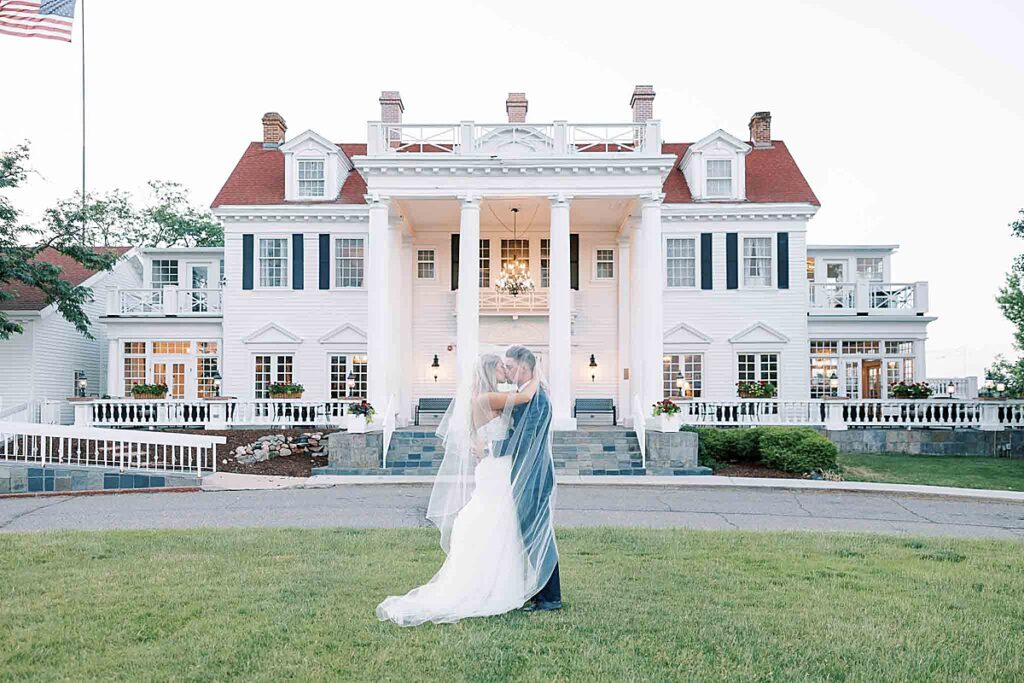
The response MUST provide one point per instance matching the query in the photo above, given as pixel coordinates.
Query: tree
(1011, 302)
(21, 244)
(173, 221)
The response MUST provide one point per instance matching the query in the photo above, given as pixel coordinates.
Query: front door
(174, 373)
(871, 378)
(199, 281)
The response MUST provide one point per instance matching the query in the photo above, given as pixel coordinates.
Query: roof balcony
(556, 139)
(168, 301)
(868, 298)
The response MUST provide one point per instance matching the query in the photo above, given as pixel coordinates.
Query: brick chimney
(642, 103)
(516, 106)
(274, 128)
(761, 129)
(391, 109)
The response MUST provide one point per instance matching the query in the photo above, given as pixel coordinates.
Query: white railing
(843, 414)
(558, 138)
(212, 414)
(882, 298)
(390, 419)
(168, 300)
(86, 446)
(964, 387)
(499, 302)
(640, 427)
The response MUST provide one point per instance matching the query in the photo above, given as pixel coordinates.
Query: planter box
(666, 423)
(357, 424)
(286, 396)
(150, 397)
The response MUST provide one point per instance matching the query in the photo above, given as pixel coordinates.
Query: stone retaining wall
(21, 478)
(929, 441)
(673, 453)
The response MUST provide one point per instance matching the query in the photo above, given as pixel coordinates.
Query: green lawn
(271, 605)
(1006, 474)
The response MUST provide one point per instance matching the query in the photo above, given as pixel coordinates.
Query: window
(604, 264)
(899, 348)
(206, 367)
(273, 262)
(853, 378)
(757, 261)
(758, 367)
(545, 263)
(691, 366)
(485, 264)
(719, 177)
(515, 249)
(810, 269)
(824, 348)
(165, 272)
(350, 262)
(869, 268)
(857, 348)
(272, 369)
(822, 369)
(177, 348)
(311, 178)
(341, 366)
(134, 365)
(425, 264)
(681, 262)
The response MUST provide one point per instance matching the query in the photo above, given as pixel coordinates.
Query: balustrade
(165, 301)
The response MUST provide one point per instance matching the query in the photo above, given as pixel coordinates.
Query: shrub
(797, 449)
(717, 446)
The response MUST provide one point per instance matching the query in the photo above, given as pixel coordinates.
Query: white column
(115, 381)
(405, 336)
(379, 341)
(651, 304)
(625, 402)
(920, 369)
(636, 350)
(559, 319)
(468, 311)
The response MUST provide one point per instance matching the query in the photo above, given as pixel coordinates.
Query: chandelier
(515, 275)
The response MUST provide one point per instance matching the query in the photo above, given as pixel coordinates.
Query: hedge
(792, 449)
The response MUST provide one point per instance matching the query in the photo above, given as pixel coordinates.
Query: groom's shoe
(542, 606)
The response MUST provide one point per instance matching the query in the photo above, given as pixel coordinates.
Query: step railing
(640, 427)
(390, 420)
(47, 445)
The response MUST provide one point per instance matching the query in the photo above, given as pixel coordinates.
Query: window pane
(681, 262)
(134, 373)
(311, 178)
(350, 262)
(165, 272)
(261, 379)
(273, 257)
(485, 264)
(757, 261)
(343, 365)
(545, 263)
(870, 268)
(425, 264)
(206, 366)
(605, 264)
(719, 168)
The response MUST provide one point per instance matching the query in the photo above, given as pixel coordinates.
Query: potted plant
(286, 390)
(360, 415)
(760, 389)
(149, 391)
(667, 416)
(910, 390)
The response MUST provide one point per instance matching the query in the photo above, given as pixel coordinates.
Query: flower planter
(357, 424)
(150, 397)
(279, 395)
(666, 423)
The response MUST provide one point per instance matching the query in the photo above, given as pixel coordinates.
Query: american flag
(50, 19)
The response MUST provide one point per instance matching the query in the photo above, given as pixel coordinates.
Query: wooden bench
(592, 408)
(431, 407)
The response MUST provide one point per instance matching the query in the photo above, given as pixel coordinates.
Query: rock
(241, 450)
(284, 451)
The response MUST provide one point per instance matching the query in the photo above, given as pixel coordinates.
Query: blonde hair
(489, 371)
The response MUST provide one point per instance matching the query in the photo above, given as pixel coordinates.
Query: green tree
(21, 244)
(1011, 302)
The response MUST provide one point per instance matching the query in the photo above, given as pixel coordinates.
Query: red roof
(772, 177)
(28, 298)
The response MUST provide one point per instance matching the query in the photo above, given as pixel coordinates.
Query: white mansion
(371, 270)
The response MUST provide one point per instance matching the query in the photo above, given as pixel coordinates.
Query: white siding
(17, 365)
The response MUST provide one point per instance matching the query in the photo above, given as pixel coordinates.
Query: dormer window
(311, 178)
(719, 178)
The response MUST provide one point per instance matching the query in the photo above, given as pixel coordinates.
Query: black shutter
(298, 258)
(783, 256)
(706, 262)
(455, 262)
(732, 270)
(325, 262)
(247, 254)
(574, 261)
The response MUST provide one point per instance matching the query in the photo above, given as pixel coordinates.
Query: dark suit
(533, 481)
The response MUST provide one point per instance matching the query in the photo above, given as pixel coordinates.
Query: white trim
(364, 237)
(593, 263)
(433, 261)
(252, 337)
(701, 337)
(696, 261)
(738, 337)
(257, 281)
(326, 339)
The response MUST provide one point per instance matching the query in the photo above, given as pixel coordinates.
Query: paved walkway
(403, 505)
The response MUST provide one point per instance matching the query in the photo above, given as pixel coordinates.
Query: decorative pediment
(345, 334)
(310, 141)
(684, 334)
(759, 333)
(515, 141)
(720, 141)
(272, 333)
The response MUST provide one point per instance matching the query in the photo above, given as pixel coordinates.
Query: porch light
(833, 380)
(593, 368)
(951, 389)
(515, 276)
(1001, 387)
(435, 365)
(990, 385)
(216, 382)
(81, 383)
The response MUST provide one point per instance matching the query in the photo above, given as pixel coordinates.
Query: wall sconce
(683, 385)
(81, 383)
(950, 389)
(833, 380)
(436, 366)
(350, 382)
(216, 382)
(593, 368)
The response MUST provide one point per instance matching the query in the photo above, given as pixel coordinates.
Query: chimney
(274, 128)
(642, 103)
(515, 105)
(391, 109)
(761, 129)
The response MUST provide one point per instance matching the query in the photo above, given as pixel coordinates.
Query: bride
(487, 571)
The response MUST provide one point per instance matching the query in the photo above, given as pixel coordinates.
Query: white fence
(36, 411)
(963, 387)
(212, 414)
(876, 298)
(86, 446)
(165, 301)
(843, 414)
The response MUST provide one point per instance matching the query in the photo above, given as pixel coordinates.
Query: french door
(199, 279)
(174, 372)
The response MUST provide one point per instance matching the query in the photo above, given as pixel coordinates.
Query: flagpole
(83, 118)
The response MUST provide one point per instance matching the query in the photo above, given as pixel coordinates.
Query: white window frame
(274, 369)
(881, 268)
(349, 355)
(177, 272)
(543, 262)
(757, 366)
(299, 180)
(419, 252)
(673, 391)
(731, 178)
(366, 260)
(696, 262)
(614, 261)
(287, 262)
(484, 259)
(772, 265)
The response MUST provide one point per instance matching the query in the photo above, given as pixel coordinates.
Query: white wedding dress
(486, 570)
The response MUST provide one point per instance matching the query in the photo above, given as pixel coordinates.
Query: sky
(906, 117)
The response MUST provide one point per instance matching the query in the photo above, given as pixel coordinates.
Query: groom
(533, 475)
